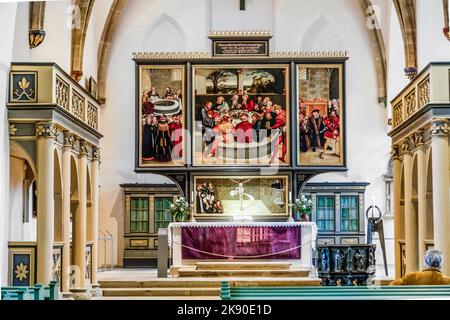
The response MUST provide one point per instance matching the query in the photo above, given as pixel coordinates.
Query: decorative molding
(240, 34)
(309, 54)
(440, 128)
(171, 55)
(46, 130)
(207, 55)
(410, 72)
(12, 129)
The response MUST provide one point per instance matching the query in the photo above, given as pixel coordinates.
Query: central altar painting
(240, 115)
(241, 196)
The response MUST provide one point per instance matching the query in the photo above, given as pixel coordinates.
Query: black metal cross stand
(375, 224)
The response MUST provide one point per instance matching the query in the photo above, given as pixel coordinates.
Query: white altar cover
(308, 240)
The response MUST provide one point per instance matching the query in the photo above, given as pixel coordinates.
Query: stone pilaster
(79, 226)
(421, 195)
(45, 135)
(398, 218)
(440, 130)
(411, 221)
(66, 204)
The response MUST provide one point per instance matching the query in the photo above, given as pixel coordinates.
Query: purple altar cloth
(241, 243)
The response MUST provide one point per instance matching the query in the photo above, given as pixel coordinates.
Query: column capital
(84, 148)
(407, 146)
(440, 127)
(46, 130)
(69, 139)
(419, 138)
(395, 152)
(96, 155)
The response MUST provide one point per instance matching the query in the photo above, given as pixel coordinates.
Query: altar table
(242, 241)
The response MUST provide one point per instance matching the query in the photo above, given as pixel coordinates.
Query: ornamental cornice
(207, 55)
(240, 34)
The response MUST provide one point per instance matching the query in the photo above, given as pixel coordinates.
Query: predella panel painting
(161, 116)
(241, 195)
(320, 115)
(240, 115)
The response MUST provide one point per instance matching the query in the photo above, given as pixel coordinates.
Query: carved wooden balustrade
(40, 84)
(428, 87)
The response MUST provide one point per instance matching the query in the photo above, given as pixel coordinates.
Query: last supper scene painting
(241, 196)
(240, 115)
(320, 115)
(161, 121)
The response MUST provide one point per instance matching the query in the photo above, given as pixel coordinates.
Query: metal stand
(375, 224)
(163, 252)
(105, 239)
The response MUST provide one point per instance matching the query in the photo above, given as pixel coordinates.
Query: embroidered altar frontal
(241, 242)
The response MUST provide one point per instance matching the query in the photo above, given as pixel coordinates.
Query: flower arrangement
(303, 206)
(180, 209)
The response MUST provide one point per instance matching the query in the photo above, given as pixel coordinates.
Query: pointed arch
(406, 12)
(154, 28)
(104, 48)
(79, 30)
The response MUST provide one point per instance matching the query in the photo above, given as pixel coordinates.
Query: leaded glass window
(349, 213)
(325, 213)
(139, 215)
(162, 218)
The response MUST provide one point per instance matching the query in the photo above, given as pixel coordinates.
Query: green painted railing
(333, 293)
(38, 292)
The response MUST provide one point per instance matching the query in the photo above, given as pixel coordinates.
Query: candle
(192, 197)
(290, 196)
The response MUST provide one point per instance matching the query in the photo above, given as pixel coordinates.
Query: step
(189, 272)
(161, 283)
(142, 292)
(243, 265)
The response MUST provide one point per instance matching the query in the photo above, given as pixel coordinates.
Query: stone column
(421, 196)
(398, 219)
(440, 152)
(66, 197)
(411, 249)
(93, 231)
(46, 134)
(79, 226)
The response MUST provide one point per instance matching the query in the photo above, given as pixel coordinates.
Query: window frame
(155, 221)
(325, 195)
(145, 198)
(357, 217)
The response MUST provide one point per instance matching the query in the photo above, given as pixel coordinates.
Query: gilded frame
(286, 183)
(139, 129)
(287, 109)
(24, 250)
(298, 89)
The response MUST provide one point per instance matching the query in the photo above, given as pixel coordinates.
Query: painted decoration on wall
(161, 116)
(240, 115)
(21, 266)
(23, 86)
(320, 112)
(241, 196)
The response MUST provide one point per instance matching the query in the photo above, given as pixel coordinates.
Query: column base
(67, 295)
(81, 293)
(96, 291)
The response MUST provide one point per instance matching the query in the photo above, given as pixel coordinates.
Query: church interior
(233, 150)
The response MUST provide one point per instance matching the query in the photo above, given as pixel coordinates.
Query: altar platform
(194, 244)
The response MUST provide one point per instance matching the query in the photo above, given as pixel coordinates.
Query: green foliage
(179, 210)
(303, 205)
